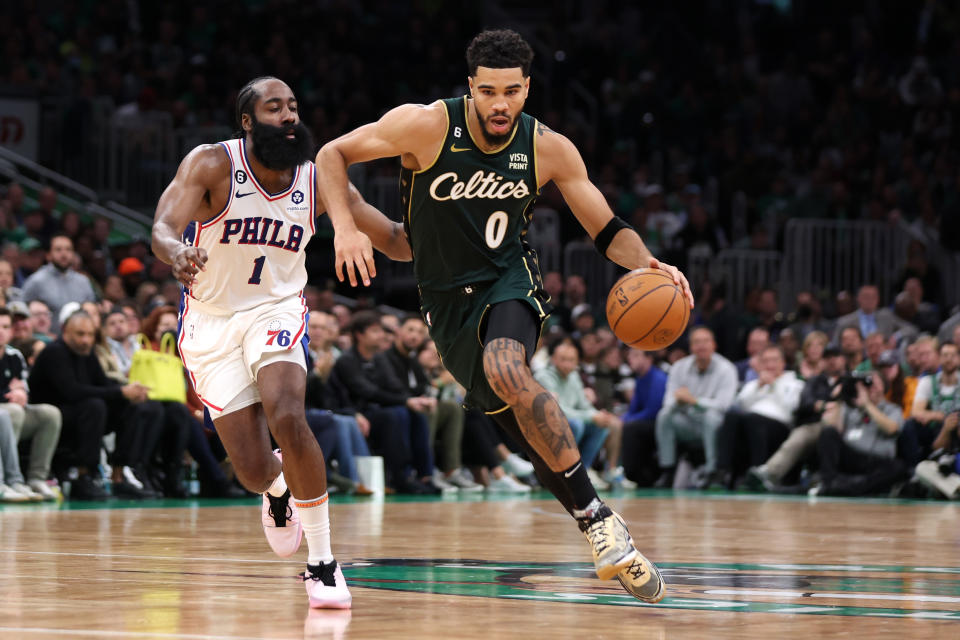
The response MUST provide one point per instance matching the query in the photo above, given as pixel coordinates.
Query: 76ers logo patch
(278, 335)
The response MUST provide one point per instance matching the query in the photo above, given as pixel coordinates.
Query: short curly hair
(499, 49)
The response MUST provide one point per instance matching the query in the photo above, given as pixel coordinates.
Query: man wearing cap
(22, 338)
(56, 283)
(802, 441)
(131, 271)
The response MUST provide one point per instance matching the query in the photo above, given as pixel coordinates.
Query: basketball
(646, 310)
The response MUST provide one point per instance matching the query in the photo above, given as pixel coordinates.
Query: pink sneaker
(281, 523)
(326, 587)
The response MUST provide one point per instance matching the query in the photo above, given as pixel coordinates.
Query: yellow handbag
(160, 370)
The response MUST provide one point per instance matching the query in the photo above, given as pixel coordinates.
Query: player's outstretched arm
(387, 236)
(178, 206)
(407, 129)
(561, 162)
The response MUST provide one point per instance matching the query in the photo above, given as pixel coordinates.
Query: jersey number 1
(257, 270)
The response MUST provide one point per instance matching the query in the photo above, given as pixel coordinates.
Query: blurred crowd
(700, 127)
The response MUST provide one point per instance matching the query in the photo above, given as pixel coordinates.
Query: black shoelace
(636, 569)
(322, 573)
(280, 509)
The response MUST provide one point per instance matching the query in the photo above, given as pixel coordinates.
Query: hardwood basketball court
(737, 566)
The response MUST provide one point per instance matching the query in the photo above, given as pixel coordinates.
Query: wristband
(605, 237)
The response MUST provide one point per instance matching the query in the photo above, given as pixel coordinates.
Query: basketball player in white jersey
(234, 224)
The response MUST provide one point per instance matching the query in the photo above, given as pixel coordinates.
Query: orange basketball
(647, 310)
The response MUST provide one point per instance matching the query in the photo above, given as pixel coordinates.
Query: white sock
(315, 519)
(279, 486)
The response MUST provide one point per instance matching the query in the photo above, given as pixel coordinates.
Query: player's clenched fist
(188, 262)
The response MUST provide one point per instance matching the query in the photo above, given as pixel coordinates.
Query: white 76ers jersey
(256, 244)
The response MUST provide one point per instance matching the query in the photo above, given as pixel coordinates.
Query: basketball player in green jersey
(471, 168)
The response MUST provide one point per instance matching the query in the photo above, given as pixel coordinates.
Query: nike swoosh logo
(455, 149)
(243, 195)
(569, 474)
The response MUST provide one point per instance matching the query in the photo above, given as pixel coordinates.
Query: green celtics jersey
(467, 213)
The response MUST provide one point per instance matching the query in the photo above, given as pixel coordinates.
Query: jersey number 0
(496, 229)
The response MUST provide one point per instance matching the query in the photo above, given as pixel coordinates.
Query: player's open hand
(678, 278)
(188, 262)
(354, 255)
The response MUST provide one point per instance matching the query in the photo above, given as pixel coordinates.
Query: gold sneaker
(642, 580)
(613, 549)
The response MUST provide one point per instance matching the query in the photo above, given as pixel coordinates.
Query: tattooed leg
(542, 422)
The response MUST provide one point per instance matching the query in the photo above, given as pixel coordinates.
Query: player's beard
(277, 152)
(494, 140)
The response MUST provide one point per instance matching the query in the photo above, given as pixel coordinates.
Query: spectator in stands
(947, 329)
(120, 342)
(926, 360)
(15, 202)
(68, 376)
(905, 309)
(398, 426)
(22, 339)
(857, 446)
(869, 316)
(700, 389)
(132, 311)
(553, 285)
(574, 291)
(57, 283)
(927, 318)
(790, 346)
(39, 222)
(780, 468)
(851, 343)
(7, 285)
(639, 445)
(873, 346)
(901, 388)
(761, 421)
(812, 361)
(937, 396)
(757, 340)
(446, 419)
(132, 272)
(12, 485)
(485, 451)
(32, 258)
(41, 320)
(808, 316)
(590, 426)
(37, 422)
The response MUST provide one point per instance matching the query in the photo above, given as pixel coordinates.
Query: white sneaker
(441, 483)
(45, 490)
(8, 494)
(517, 466)
(616, 479)
(463, 480)
(598, 483)
(507, 484)
(22, 488)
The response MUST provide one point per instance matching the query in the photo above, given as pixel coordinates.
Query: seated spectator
(942, 472)
(851, 343)
(790, 346)
(858, 444)
(22, 339)
(7, 282)
(761, 421)
(493, 463)
(398, 427)
(947, 330)
(936, 397)
(590, 426)
(700, 389)
(39, 423)
(869, 316)
(68, 376)
(926, 361)
(873, 346)
(757, 340)
(811, 355)
(57, 283)
(808, 317)
(639, 445)
(41, 320)
(119, 341)
(901, 388)
(12, 485)
(777, 473)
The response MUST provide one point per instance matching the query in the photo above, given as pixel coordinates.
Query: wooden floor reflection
(737, 567)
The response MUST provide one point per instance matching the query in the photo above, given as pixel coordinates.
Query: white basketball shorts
(224, 352)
